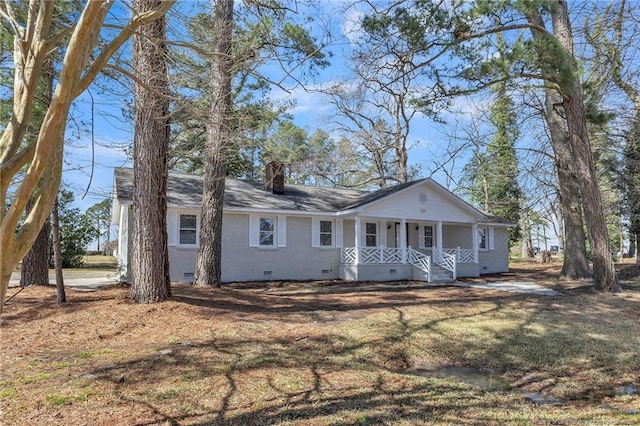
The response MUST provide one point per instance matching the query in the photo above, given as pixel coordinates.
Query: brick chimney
(274, 177)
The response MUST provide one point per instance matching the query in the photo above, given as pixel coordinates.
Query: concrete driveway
(527, 287)
(78, 279)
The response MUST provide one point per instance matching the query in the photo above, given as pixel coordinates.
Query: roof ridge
(185, 190)
(253, 181)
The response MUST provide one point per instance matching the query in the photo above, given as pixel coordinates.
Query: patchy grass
(322, 353)
(8, 393)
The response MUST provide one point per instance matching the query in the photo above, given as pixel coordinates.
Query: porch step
(438, 275)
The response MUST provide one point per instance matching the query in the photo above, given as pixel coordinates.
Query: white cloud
(309, 103)
(104, 152)
(467, 106)
(352, 24)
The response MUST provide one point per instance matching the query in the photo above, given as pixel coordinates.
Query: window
(326, 233)
(482, 238)
(371, 234)
(188, 229)
(266, 232)
(428, 236)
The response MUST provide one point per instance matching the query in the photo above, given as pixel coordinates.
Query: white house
(418, 230)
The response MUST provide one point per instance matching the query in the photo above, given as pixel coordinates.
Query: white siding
(457, 236)
(124, 242)
(339, 233)
(254, 231)
(172, 227)
(315, 232)
(297, 261)
(282, 231)
(391, 235)
(348, 233)
(497, 259)
(491, 239)
(123, 237)
(406, 204)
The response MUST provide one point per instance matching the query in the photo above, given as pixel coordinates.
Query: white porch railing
(391, 255)
(349, 255)
(372, 255)
(397, 255)
(462, 255)
(420, 261)
(444, 259)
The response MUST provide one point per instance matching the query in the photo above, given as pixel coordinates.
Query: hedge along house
(418, 230)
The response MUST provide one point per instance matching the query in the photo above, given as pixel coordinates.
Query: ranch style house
(276, 231)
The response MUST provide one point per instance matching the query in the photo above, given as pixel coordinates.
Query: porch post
(403, 239)
(439, 235)
(357, 239)
(476, 244)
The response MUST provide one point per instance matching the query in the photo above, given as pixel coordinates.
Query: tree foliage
(546, 56)
(265, 35)
(75, 232)
(494, 173)
(613, 34)
(97, 220)
(35, 39)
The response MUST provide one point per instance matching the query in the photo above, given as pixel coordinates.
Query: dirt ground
(298, 353)
(547, 274)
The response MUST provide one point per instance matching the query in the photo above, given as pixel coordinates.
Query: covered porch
(397, 249)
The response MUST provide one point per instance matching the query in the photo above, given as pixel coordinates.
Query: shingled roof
(186, 191)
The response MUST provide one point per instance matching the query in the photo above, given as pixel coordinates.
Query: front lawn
(321, 353)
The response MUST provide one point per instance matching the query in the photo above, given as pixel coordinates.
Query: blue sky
(113, 134)
(428, 142)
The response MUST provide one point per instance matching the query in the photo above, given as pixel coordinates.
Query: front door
(398, 239)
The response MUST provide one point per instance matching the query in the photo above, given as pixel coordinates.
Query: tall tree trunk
(57, 254)
(556, 210)
(400, 143)
(35, 265)
(575, 263)
(209, 260)
(149, 251)
(604, 271)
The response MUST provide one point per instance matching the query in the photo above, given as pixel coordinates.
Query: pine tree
(149, 249)
(503, 189)
(209, 261)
